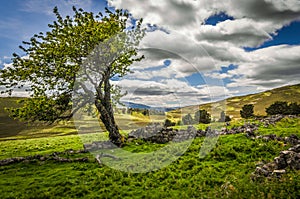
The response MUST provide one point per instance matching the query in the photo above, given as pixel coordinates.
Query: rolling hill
(10, 127)
(233, 105)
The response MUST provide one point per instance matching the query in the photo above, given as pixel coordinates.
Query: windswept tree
(77, 56)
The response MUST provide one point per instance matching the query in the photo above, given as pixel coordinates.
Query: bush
(294, 109)
(202, 116)
(281, 107)
(247, 111)
(169, 123)
(278, 107)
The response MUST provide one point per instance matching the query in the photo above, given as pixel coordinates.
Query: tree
(187, 119)
(202, 116)
(169, 123)
(294, 109)
(85, 48)
(278, 107)
(247, 111)
(282, 107)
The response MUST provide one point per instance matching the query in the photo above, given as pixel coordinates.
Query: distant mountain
(261, 101)
(142, 106)
(136, 105)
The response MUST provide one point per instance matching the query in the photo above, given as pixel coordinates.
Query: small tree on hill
(294, 109)
(86, 47)
(278, 107)
(282, 107)
(202, 116)
(247, 111)
(169, 123)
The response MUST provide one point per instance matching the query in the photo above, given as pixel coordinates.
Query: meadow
(224, 173)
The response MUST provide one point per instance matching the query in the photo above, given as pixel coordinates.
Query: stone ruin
(287, 159)
(157, 133)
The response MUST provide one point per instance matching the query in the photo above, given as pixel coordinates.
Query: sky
(196, 51)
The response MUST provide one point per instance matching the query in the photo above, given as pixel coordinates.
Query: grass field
(224, 173)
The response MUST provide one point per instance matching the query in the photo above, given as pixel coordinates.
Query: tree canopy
(202, 116)
(59, 61)
(247, 111)
(282, 107)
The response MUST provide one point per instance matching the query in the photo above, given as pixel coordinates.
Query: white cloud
(240, 32)
(269, 67)
(196, 48)
(169, 92)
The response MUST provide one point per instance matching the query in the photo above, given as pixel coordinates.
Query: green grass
(11, 129)
(224, 173)
(283, 128)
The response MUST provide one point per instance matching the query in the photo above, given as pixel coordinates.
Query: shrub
(282, 107)
(247, 111)
(169, 123)
(278, 107)
(202, 116)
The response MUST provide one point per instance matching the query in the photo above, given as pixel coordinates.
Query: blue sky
(21, 19)
(233, 48)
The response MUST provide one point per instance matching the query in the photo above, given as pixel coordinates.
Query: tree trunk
(104, 106)
(106, 116)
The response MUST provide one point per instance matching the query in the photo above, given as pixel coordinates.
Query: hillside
(260, 101)
(10, 127)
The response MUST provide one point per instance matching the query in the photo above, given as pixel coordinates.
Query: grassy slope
(260, 101)
(224, 173)
(13, 129)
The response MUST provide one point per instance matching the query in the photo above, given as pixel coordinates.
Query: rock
(293, 139)
(279, 172)
(280, 163)
(295, 148)
(261, 172)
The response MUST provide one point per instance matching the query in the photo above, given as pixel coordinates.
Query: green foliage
(202, 116)
(294, 109)
(278, 107)
(282, 107)
(53, 60)
(283, 128)
(247, 111)
(169, 123)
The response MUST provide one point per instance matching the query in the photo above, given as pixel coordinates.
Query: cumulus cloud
(240, 32)
(191, 46)
(169, 92)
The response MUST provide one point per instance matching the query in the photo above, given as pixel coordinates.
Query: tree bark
(104, 106)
